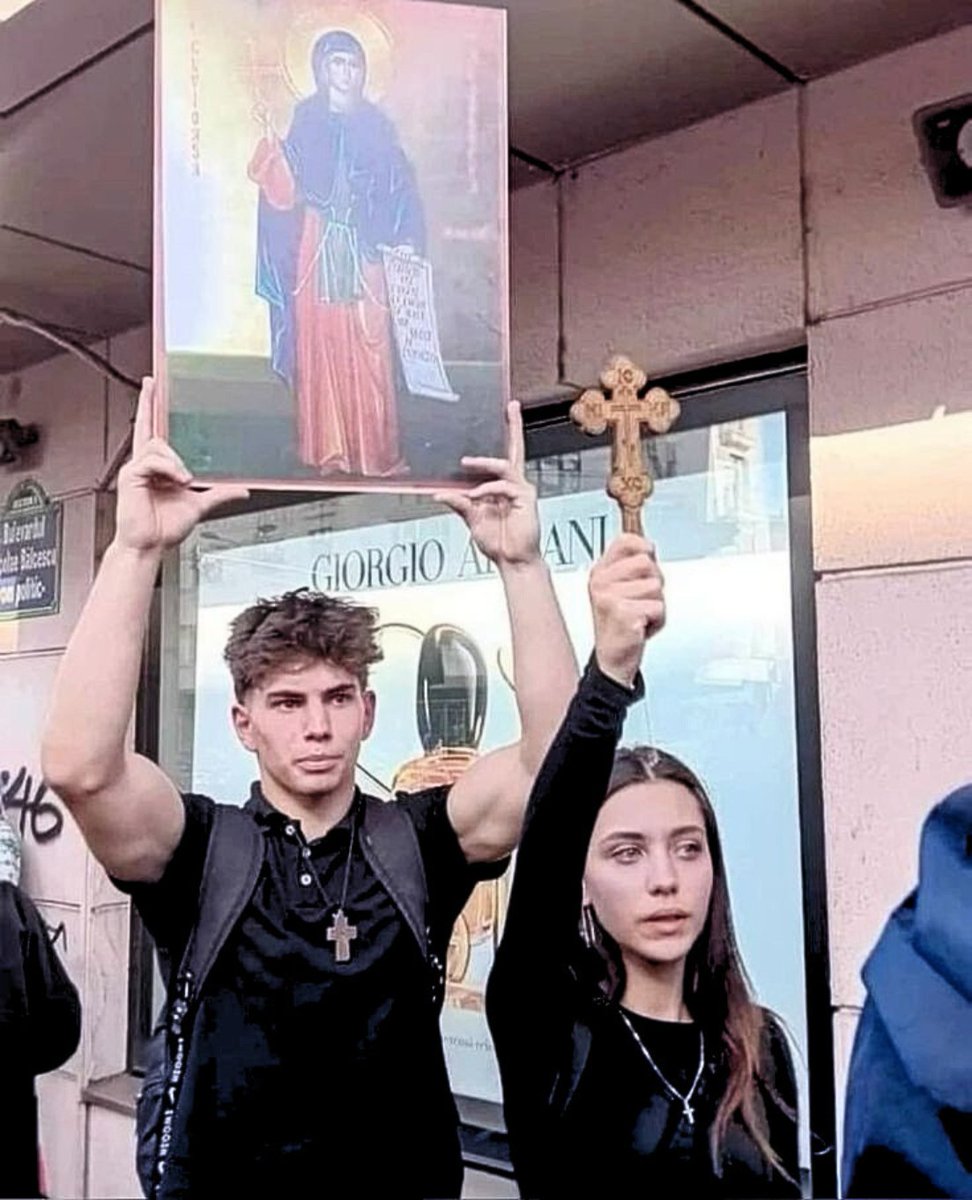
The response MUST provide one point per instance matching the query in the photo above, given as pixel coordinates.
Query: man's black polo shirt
(305, 1075)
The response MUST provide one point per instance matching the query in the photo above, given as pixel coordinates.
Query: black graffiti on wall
(22, 793)
(57, 933)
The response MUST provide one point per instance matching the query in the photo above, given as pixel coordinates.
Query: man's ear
(370, 702)
(243, 724)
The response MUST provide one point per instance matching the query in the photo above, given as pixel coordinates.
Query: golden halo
(306, 29)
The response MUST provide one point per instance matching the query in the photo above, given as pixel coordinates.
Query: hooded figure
(908, 1122)
(40, 1023)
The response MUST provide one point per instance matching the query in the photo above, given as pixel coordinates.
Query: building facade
(804, 220)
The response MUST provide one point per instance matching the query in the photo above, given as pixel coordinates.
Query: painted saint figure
(335, 191)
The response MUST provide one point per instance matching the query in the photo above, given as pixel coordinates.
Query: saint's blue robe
(352, 169)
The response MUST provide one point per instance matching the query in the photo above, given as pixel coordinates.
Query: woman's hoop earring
(588, 928)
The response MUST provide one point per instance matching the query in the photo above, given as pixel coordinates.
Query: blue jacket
(908, 1122)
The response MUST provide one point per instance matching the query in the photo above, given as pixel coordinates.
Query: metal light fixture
(15, 438)
(944, 132)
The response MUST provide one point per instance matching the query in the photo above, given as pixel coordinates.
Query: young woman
(633, 1057)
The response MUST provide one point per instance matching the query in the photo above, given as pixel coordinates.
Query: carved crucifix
(619, 404)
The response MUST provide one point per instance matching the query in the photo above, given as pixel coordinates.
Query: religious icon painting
(331, 304)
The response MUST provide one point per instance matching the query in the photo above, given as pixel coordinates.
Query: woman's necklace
(340, 931)
(685, 1100)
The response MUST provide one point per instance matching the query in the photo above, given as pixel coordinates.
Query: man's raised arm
(486, 806)
(129, 811)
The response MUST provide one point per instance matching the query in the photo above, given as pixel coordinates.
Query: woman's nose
(661, 874)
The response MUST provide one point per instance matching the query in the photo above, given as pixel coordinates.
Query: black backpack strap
(391, 846)
(230, 872)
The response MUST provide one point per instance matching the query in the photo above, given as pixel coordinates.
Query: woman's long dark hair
(718, 993)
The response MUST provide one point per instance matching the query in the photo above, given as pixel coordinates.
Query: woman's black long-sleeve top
(584, 1110)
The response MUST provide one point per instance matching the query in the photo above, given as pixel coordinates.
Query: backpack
(234, 858)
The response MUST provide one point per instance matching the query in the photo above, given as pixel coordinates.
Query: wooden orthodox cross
(619, 404)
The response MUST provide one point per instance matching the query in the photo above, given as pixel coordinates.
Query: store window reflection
(720, 680)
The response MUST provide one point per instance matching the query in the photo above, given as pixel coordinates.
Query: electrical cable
(64, 339)
(10, 316)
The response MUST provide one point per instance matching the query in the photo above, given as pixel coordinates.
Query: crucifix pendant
(342, 933)
(689, 1112)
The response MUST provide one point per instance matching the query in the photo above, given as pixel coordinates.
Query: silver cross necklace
(686, 1100)
(340, 931)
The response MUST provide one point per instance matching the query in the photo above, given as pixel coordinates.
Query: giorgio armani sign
(567, 544)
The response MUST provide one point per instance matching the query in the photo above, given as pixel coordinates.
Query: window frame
(141, 1015)
(716, 395)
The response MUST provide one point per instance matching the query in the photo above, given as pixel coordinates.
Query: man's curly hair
(296, 626)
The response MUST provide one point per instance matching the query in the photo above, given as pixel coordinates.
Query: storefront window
(721, 679)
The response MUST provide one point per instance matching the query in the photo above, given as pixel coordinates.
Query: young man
(314, 1062)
